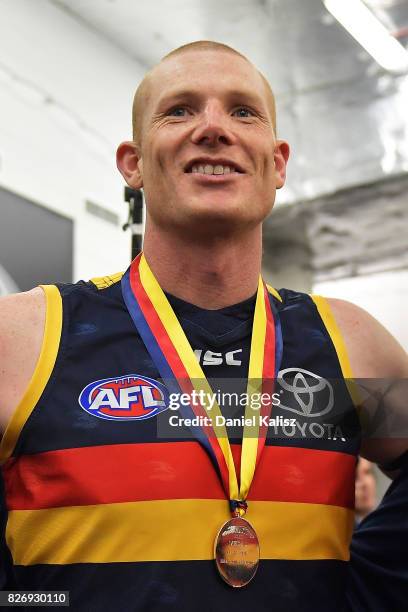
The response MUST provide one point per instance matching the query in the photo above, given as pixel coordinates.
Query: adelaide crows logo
(127, 398)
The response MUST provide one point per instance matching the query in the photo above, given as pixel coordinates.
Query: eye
(243, 112)
(178, 111)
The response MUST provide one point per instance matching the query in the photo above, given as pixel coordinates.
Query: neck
(211, 273)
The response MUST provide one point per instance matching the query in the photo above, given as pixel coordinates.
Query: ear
(129, 163)
(281, 156)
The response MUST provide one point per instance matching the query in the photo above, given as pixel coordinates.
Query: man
(365, 489)
(98, 502)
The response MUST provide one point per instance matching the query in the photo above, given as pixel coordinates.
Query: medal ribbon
(178, 366)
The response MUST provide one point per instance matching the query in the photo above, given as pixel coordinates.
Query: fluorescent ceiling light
(361, 23)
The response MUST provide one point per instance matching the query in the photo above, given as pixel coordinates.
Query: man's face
(365, 488)
(208, 151)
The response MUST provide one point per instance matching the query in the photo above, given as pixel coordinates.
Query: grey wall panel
(36, 244)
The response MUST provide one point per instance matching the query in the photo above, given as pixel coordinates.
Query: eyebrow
(234, 94)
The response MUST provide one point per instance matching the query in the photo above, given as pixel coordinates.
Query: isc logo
(211, 358)
(128, 398)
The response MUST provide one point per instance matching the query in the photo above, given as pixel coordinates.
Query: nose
(213, 127)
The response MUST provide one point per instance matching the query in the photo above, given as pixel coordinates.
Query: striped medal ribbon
(236, 546)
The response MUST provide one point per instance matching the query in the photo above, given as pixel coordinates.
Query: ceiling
(148, 30)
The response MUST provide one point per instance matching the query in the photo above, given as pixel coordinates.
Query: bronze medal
(236, 552)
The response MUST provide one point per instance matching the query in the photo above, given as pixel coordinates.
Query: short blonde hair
(141, 97)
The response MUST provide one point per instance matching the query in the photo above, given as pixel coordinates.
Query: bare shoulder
(372, 350)
(376, 355)
(22, 321)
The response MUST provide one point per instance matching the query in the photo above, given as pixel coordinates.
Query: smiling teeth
(209, 169)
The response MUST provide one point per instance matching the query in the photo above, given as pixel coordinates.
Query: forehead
(208, 72)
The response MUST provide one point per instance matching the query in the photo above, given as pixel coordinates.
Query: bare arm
(22, 321)
(375, 354)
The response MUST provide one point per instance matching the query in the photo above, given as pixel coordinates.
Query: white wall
(65, 98)
(384, 295)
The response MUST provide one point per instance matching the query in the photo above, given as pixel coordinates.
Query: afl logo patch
(128, 398)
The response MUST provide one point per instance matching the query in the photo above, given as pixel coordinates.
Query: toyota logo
(304, 386)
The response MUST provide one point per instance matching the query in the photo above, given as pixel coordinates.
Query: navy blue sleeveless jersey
(100, 504)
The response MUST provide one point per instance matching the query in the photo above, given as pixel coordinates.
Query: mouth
(213, 168)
